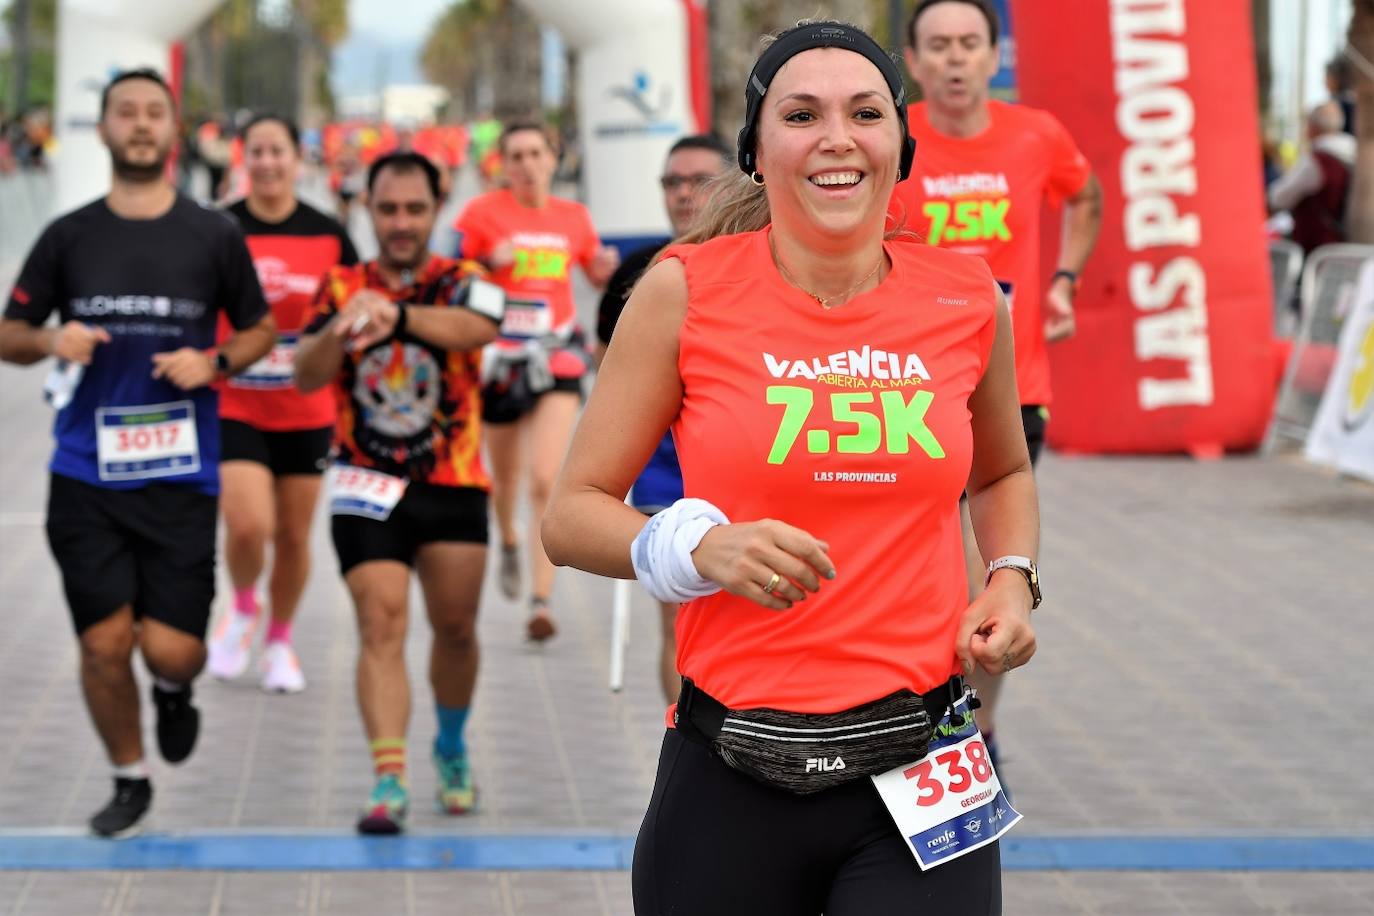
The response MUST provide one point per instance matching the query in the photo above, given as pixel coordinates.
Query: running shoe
(540, 627)
(387, 807)
(123, 815)
(510, 571)
(280, 669)
(230, 644)
(457, 794)
(178, 723)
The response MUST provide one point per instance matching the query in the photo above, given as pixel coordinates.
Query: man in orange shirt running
(983, 171)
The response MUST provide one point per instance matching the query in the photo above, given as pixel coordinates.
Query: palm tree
(487, 53)
(322, 24)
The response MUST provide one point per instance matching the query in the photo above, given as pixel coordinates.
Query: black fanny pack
(808, 752)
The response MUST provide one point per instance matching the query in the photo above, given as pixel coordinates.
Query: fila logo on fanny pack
(824, 764)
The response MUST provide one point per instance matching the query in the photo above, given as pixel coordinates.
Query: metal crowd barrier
(1285, 267)
(1327, 293)
(25, 207)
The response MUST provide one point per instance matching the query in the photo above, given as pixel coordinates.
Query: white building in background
(403, 105)
(1304, 35)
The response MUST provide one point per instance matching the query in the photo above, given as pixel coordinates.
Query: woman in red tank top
(832, 392)
(274, 440)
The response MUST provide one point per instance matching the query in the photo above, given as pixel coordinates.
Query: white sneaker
(280, 669)
(229, 645)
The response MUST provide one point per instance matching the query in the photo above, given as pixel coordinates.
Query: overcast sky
(383, 43)
(393, 20)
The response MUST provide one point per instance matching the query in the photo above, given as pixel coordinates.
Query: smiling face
(272, 160)
(139, 128)
(954, 59)
(828, 143)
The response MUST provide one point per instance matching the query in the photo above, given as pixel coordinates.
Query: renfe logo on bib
(950, 802)
(143, 443)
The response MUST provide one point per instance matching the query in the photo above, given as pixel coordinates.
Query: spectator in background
(212, 146)
(1339, 84)
(1315, 189)
(7, 163)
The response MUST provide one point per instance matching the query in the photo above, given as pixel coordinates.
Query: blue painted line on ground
(244, 851)
(315, 852)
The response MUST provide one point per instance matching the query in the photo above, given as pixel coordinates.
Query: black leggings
(716, 841)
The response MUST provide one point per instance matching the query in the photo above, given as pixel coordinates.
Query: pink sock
(279, 631)
(246, 602)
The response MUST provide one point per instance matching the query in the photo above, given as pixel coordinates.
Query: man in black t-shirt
(692, 163)
(138, 280)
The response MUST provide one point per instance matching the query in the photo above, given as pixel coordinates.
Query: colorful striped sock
(449, 742)
(246, 601)
(389, 757)
(279, 631)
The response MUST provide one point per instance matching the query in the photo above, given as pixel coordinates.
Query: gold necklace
(824, 301)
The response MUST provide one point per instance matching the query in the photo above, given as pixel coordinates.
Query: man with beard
(138, 280)
(400, 338)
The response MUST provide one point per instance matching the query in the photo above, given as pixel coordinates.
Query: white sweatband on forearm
(662, 553)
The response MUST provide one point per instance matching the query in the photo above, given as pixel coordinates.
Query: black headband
(805, 38)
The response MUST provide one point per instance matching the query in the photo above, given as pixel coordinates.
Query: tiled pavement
(1202, 670)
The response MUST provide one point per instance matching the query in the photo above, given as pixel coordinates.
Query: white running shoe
(280, 669)
(230, 643)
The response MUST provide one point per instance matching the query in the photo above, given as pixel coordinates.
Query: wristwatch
(221, 364)
(1026, 567)
(1067, 275)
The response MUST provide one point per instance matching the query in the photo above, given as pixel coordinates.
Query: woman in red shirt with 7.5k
(832, 390)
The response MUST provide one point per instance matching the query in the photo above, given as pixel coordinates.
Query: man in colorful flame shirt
(400, 339)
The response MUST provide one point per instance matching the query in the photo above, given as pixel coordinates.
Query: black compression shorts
(716, 841)
(426, 514)
(1034, 418)
(511, 399)
(303, 451)
(153, 548)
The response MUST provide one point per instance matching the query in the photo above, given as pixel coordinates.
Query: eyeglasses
(673, 182)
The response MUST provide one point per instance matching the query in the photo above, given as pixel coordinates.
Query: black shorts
(716, 841)
(510, 399)
(297, 451)
(153, 548)
(1035, 417)
(426, 514)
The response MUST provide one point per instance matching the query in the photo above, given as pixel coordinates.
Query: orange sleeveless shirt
(852, 424)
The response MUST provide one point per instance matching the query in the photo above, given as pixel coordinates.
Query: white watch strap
(1006, 563)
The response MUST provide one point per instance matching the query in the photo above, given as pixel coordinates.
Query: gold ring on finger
(772, 584)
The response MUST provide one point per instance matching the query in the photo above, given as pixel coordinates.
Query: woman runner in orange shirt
(832, 391)
(530, 240)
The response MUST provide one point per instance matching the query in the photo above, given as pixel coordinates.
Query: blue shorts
(660, 483)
